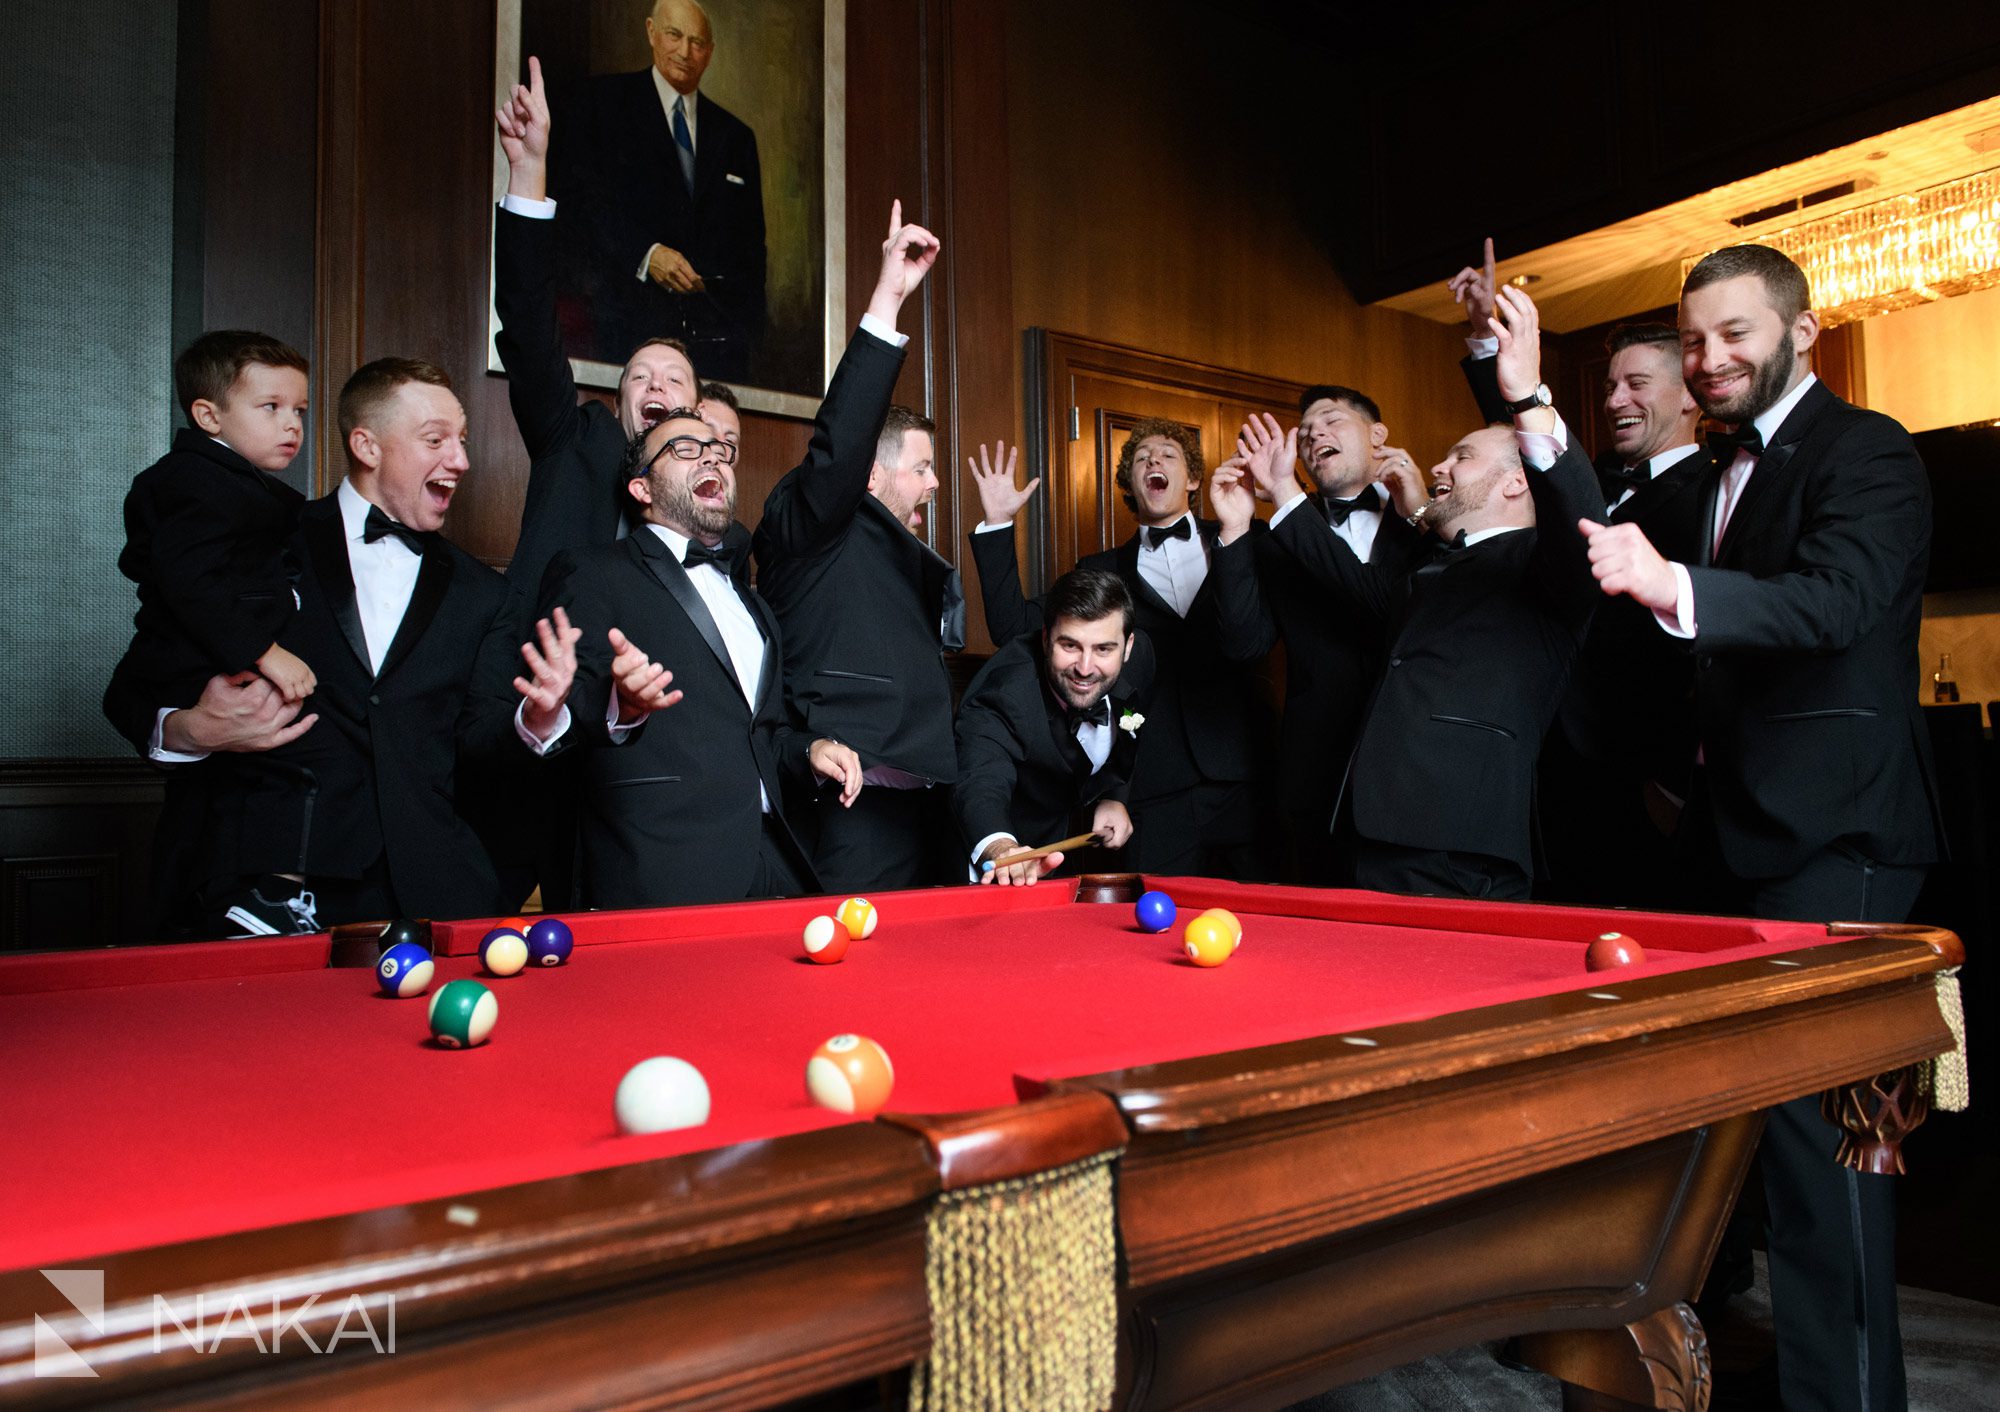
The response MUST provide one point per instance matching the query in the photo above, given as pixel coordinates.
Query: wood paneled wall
(405, 207)
(1157, 203)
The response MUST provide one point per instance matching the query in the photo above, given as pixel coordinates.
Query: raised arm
(539, 385)
(1243, 622)
(817, 499)
(1009, 611)
(1472, 288)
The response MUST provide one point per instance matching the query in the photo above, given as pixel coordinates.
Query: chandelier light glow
(1893, 254)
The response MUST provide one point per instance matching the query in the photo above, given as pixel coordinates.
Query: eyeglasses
(692, 448)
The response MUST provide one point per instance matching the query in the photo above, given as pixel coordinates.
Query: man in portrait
(669, 199)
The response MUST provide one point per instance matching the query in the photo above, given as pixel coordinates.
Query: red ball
(1613, 950)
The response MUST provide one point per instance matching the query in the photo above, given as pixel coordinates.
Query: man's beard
(1767, 385)
(1065, 690)
(678, 507)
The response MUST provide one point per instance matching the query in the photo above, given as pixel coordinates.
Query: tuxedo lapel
(673, 578)
(1660, 489)
(433, 581)
(767, 623)
(1128, 569)
(326, 546)
(1774, 464)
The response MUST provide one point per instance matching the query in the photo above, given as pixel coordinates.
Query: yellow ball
(1208, 940)
(857, 914)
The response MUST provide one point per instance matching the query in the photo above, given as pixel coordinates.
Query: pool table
(1387, 1126)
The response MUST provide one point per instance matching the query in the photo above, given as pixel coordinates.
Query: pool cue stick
(1007, 860)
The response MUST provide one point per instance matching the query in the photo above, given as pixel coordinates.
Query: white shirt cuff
(884, 331)
(1286, 509)
(157, 752)
(643, 273)
(618, 732)
(1542, 449)
(1480, 347)
(530, 739)
(543, 210)
(984, 528)
(1681, 623)
(980, 847)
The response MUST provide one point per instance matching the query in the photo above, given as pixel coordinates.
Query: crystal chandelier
(1893, 254)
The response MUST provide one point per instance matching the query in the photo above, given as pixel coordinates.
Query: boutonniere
(1130, 723)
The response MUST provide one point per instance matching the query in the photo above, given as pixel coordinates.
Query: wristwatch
(1540, 397)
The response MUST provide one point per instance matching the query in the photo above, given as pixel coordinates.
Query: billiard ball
(857, 914)
(1155, 911)
(1228, 920)
(1208, 940)
(462, 1014)
(405, 970)
(850, 1073)
(404, 930)
(514, 924)
(660, 1094)
(826, 941)
(1613, 950)
(503, 951)
(550, 942)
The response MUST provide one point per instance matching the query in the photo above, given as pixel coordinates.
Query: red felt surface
(167, 1109)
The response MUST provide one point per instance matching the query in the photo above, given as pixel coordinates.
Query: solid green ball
(462, 1014)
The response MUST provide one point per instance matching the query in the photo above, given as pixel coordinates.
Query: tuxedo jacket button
(1395, 661)
(374, 701)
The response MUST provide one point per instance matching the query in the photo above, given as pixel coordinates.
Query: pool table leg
(1659, 1361)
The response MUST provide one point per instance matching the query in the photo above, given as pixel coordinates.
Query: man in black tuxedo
(350, 813)
(1192, 790)
(1049, 730)
(670, 200)
(1480, 635)
(687, 808)
(1616, 768)
(1813, 799)
(1331, 656)
(866, 606)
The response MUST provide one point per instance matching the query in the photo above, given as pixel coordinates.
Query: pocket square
(731, 176)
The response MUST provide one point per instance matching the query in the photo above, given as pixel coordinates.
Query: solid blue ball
(404, 970)
(1155, 911)
(549, 942)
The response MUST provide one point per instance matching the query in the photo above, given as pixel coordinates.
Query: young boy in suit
(206, 524)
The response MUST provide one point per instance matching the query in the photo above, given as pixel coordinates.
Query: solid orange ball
(1208, 940)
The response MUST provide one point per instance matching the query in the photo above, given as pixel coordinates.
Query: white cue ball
(661, 1094)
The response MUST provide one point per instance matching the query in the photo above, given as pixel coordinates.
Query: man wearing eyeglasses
(687, 808)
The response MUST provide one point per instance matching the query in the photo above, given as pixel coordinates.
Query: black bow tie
(1098, 715)
(1183, 528)
(722, 556)
(1725, 444)
(1337, 511)
(378, 525)
(1630, 477)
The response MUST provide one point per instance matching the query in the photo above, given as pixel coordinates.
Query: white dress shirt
(1175, 570)
(669, 95)
(740, 634)
(1735, 480)
(1357, 532)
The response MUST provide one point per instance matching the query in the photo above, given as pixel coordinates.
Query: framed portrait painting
(697, 161)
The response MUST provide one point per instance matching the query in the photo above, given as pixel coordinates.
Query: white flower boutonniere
(1130, 723)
